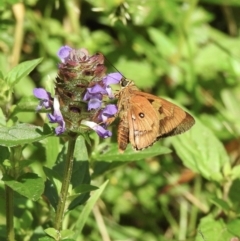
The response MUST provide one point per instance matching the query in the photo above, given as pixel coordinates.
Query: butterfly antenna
(107, 60)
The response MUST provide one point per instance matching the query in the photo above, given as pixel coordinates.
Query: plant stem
(16, 153)
(65, 184)
(9, 213)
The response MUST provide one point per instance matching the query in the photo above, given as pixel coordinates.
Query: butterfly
(145, 118)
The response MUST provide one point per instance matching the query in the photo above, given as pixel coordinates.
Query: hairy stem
(65, 184)
(16, 153)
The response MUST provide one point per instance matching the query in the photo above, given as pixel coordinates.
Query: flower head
(82, 90)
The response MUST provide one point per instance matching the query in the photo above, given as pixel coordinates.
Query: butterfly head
(125, 82)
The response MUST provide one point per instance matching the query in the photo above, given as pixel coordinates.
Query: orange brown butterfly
(145, 118)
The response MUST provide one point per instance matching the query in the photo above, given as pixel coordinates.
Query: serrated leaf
(29, 185)
(214, 230)
(201, 151)
(21, 70)
(110, 153)
(21, 134)
(87, 209)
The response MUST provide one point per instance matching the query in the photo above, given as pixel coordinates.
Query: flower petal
(94, 104)
(41, 93)
(108, 111)
(96, 89)
(57, 117)
(44, 96)
(99, 129)
(63, 53)
(113, 78)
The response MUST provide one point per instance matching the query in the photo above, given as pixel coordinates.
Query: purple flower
(95, 93)
(57, 117)
(107, 112)
(64, 52)
(44, 96)
(113, 78)
(94, 104)
(94, 96)
(101, 131)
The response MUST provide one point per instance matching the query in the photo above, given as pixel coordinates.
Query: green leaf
(4, 153)
(110, 153)
(52, 152)
(233, 227)
(29, 185)
(46, 239)
(84, 188)
(100, 167)
(27, 104)
(163, 43)
(87, 209)
(21, 134)
(80, 152)
(201, 151)
(221, 204)
(52, 232)
(210, 229)
(66, 234)
(21, 70)
(234, 191)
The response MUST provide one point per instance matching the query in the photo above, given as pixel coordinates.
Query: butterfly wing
(174, 120)
(142, 121)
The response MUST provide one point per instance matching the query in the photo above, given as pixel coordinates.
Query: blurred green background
(185, 50)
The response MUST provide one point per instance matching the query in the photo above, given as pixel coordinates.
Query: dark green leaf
(4, 153)
(100, 167)
(234, 191)
(21, 70)
(29, 185)
(21, 134)
(50, 192)
(221, 204)
(110, 153)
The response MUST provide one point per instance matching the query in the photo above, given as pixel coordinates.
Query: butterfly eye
(141, 115)
(124, 82)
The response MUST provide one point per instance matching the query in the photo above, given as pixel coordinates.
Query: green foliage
(182, 188)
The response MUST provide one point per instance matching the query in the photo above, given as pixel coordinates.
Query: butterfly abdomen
(123, 136)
